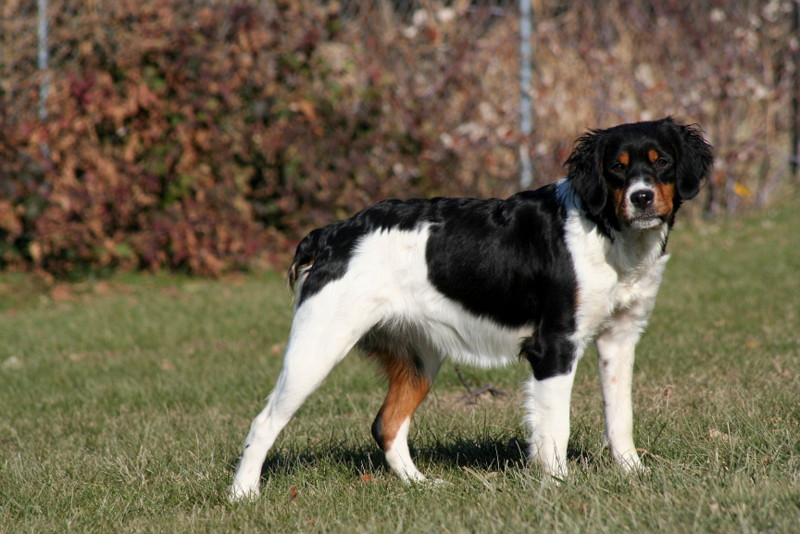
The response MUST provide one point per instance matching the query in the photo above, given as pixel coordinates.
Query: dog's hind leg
(410, 379)
(322, 334)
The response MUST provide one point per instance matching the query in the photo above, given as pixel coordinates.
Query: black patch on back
(504, 260)
(507, 260)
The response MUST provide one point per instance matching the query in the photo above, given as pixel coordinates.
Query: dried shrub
(197, 135)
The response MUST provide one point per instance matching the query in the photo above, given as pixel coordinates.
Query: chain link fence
(39, 38)
(486, 29)
(308, 110)
(31, 33)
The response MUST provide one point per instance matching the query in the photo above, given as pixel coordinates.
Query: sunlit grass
(124, 403)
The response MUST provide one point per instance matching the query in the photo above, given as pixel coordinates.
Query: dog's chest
(613, 278)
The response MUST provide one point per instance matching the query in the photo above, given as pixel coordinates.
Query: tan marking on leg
(407, 389)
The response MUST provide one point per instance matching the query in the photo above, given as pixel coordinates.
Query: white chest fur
(615, 277)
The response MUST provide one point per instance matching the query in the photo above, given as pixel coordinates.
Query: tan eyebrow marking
(653, 155)
(624, 158)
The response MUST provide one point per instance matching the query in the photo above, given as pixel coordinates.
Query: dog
(539, 276)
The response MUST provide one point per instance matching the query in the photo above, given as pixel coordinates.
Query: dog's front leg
(548, 405)
(616, 348)
(553, 357)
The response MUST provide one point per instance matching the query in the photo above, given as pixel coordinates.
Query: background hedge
(203, 136)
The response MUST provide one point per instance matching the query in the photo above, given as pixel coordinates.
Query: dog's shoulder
(505, 259)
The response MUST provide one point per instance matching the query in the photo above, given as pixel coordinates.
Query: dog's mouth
(648, 219)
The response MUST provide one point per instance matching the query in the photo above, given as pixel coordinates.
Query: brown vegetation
(197, 135)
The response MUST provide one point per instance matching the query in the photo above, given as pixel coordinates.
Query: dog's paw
(425, 482)
(238, 494)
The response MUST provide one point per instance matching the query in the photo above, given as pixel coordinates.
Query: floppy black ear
(585, 171)
(695, 162)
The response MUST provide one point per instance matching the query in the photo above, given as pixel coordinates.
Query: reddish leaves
(198, 139)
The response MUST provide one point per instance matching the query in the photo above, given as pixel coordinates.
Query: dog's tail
(304, 258)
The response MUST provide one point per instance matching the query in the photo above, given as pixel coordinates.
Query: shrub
(196, 136)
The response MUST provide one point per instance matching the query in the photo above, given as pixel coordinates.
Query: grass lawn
(125, 401)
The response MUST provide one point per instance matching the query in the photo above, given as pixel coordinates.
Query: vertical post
(43, 59)
(794, 150)
(526, 172)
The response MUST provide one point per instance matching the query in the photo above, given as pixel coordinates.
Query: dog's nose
(642, 198)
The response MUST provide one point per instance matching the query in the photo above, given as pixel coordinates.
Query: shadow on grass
(480, 454)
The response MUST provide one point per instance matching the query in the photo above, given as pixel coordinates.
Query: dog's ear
(695, 160)
(585, 171)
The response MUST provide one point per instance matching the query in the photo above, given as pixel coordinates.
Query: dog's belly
(450, 332)
(475, 341)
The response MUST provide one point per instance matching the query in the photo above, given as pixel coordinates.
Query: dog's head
(637, 175)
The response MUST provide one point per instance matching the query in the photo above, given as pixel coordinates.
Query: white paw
(237, 493)
(424, 482)
(435, 482)
(630, 463)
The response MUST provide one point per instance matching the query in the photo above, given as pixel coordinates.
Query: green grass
(124, 403)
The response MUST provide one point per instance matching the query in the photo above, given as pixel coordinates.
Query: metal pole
(43, 59)
(526, 172)
(794, 149)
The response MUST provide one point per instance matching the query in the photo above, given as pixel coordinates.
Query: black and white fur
(539, 275)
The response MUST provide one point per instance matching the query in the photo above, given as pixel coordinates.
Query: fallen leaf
(742, 190)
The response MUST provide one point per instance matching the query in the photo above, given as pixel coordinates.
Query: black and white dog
(538, 275)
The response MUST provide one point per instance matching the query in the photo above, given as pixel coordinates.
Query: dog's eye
(662, 163)
(618, 167)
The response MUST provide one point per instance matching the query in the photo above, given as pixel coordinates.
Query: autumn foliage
(200, 137)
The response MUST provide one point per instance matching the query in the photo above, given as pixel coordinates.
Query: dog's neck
(626, 248)
(632, 249)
